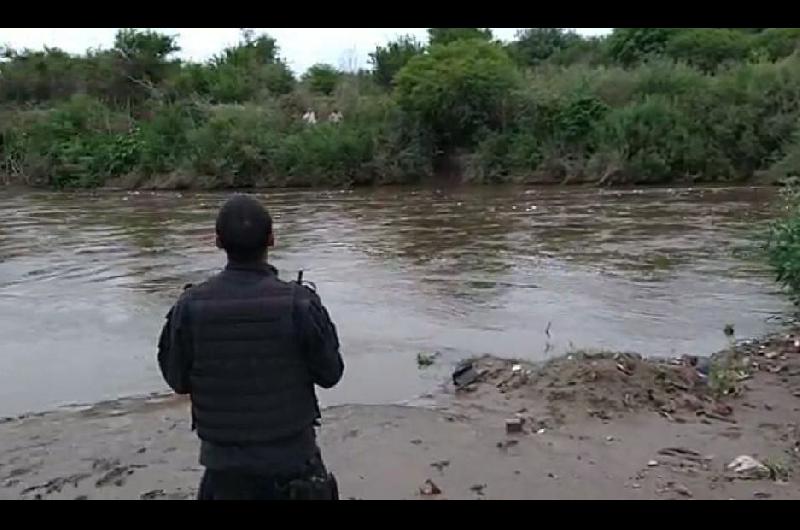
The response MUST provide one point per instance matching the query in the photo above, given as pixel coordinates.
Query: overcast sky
(301, 47)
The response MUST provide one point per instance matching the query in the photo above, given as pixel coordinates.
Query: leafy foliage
(783, 242)
(457, 88)
(448, 35)
(322, 78)
(631, 45)
(387, 61)
(643, 105)
(707, 49)
(534, 45)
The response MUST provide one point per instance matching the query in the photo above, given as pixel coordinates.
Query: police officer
(249, 348)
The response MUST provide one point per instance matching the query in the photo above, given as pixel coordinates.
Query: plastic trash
(747, 465)
(514, 425)
(464, 374)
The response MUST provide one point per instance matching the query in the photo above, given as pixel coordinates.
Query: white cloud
(302, 47)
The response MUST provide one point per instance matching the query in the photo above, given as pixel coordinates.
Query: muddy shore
(594, 426)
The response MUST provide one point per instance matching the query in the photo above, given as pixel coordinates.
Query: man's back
(249, 349)
(250, 380)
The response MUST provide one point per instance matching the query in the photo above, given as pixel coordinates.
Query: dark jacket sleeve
(319, 338)
(175, 350)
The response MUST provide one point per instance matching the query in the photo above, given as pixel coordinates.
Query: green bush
(447, 35)
(229, 83)
(783, 242)
(534, 45)
(628, 46)
(589, 51)
(244, 72)
(251, 145)
(708, 48)
(164, 138)
(79, 143)
(652, 138)
(503, 157)
(575, 123)
(233, 145)
(776, 43)
(544, 126)
(787, 164)
(458, 89)
(29, 76)
(322, 79)
(325, 153)
(647, 105)
(749, 112)
(387, 61)
(87, 161)
(669, 79)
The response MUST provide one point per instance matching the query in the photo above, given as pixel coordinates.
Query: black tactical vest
(250, 383)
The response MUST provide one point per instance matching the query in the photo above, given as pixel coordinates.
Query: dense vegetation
(783, 242)
(643, 105)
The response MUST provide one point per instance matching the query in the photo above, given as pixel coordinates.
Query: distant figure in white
(310, 117)
(335, 116)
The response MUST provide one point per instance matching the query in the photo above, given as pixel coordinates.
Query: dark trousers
(313, 484)
(233, 485)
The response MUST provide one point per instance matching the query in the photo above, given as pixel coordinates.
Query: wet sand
(595, 426)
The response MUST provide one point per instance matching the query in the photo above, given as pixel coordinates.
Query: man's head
(244, 229)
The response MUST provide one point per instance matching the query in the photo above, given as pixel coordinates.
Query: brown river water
(87, 278)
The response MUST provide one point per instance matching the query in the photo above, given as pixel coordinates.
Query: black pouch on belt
(316, 483)
(315, 488)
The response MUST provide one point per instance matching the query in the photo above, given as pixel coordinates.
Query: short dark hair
(243, 228)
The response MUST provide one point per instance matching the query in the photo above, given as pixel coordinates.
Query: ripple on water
(85, 279)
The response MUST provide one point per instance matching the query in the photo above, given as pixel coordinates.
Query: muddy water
(86, 279)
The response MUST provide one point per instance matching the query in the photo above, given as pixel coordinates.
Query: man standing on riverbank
(249, 348)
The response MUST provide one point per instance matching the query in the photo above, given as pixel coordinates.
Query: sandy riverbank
(595, 426)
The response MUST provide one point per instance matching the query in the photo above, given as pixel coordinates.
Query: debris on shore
(609, 384)
(426, 359)
(586, 425)
(429, 489)
(749, 467)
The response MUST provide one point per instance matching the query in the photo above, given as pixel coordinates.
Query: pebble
(652, 463)
(680, 489)
(514, 425)
(430, 488)
(478, 488)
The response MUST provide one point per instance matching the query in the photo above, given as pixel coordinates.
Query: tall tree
(387, 61)
(448, 35)
(534, 45)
